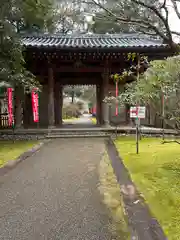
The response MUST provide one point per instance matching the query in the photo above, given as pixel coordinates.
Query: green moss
(156, 172)
(110, 190)
(10, 151)
(69, 119)
(93, 120)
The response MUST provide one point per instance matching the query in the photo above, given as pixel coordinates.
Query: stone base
(51, 127)
(106, 125)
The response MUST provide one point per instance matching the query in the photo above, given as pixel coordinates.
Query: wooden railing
(4, 120)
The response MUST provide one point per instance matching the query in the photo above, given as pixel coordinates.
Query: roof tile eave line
(90, 45)
(115, 42)
(93, 40)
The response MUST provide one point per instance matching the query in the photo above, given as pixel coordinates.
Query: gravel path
(54, 195)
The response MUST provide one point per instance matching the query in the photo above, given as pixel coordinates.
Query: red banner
(116, 97)
(10, 106)
(94, 110)
(35, 105)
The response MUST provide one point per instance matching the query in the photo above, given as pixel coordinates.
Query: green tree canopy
(17, 16)
(160, 83)
(33, 16)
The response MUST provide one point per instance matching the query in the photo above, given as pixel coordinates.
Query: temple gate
(87, 59)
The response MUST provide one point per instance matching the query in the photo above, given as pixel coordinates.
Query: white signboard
(138, 112)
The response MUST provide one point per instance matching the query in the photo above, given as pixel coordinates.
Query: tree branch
(158, 14)
(150, 7)
(138, 22)
(164, 6)
(175, 33)
(174, 2)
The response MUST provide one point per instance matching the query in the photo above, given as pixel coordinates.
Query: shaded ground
(54, 195)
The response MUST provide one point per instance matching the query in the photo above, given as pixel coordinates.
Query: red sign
(35, 105)
(10, 106)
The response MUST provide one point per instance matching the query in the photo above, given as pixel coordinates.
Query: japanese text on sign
(138, 112)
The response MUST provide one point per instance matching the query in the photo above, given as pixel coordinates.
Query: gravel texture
(54, 194)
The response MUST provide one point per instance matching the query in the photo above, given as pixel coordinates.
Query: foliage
(146, 16)
(80, 105)
(155, 171)
(73, 91)
(102, 24)
(89, 94)
(12, 68)
(33, 16)
(160, 81)
(69, 17)
(16, 16)
(138, 64)
(109, 12)
(71, 110)
(76, 90)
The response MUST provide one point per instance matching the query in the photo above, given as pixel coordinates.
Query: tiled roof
(104, 41)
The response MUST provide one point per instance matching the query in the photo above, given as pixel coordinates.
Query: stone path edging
(141, 223)
(13, 163)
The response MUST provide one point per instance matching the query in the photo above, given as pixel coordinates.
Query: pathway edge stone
(13, 163)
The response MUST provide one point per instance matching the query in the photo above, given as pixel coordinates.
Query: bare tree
(152, 16)
(69, 16)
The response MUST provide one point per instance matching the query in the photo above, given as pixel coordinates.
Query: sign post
(138, 113)
(35, 105)
(137, 134)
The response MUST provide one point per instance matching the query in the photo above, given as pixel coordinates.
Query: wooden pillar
(101, 104)
(27, 111)
(58, 103)
(98, 105)
(105, 106)
(51, 115)
(61, 105)
(18, 106)
(43, 107)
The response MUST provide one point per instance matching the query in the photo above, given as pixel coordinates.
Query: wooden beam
(78, 69)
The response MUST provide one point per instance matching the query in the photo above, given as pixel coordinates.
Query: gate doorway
(79, 102)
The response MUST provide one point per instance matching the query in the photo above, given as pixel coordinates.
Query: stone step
(70, 134)
(76, 136)
(78, 133)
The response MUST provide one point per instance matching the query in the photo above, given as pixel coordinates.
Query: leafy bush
(71, 111)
